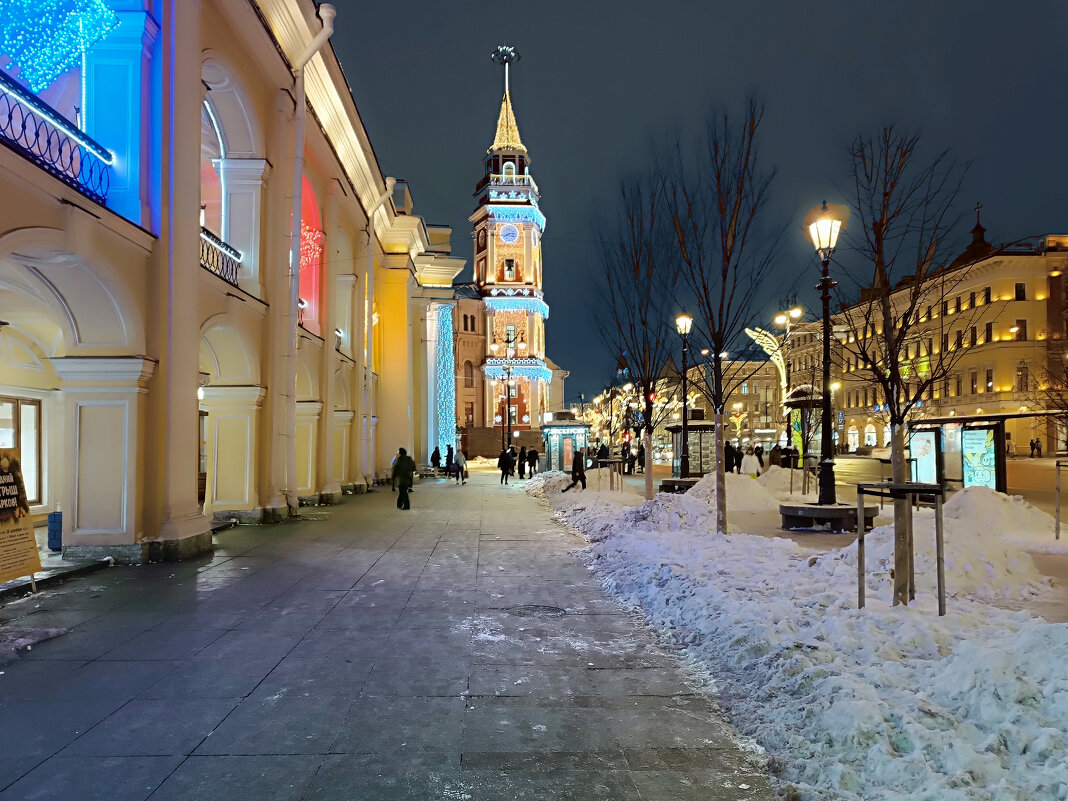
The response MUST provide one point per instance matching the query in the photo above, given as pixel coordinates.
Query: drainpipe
(369, 330)
(326, 13)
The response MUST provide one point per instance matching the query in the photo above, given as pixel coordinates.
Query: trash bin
(55, 531)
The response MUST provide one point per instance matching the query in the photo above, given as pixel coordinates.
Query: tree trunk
(721, 478)
(647, 440)
(902, 512)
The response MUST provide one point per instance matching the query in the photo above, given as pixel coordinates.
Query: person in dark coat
(403, 477)
(602, 454)
(512, 453)
(532, 461)
(578, 470)
(450, 457)
(521, 462)
(758, 451)
(505, 465)
(632, 460)
(435, 458)
(729, 456)
(641, 458)
(775, 456)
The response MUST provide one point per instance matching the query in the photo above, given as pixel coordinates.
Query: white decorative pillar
(242, 181)
(233, 444)
(105, 451)
(117, 86)
(309, 414)
(179, 333)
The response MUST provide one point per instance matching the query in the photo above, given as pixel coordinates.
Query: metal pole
(912, 553)
(684, 459)
(860, 548)
(940, 556)
(826, 482)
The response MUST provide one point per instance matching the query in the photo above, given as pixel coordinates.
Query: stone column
(395, 382)
(105, 454)
(179, 248)
(309, 420)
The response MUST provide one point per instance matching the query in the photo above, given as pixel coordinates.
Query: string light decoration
(311, 246)
(534, 305)
(524, 214)
(47, 38)
(446, 366)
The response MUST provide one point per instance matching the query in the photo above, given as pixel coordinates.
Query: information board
(18, 547)
(978, 457)
(923, 448)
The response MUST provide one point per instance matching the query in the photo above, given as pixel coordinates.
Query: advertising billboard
(978, 457)
(923, 448)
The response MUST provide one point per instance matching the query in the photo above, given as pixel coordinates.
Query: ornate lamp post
(823, 225)
(683, 323)
(787, 319)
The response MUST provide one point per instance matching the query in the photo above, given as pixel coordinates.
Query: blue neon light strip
(535, 305)
(524, 214)
(446, 367)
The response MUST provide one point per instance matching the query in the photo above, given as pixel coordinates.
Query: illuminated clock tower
(508, 226)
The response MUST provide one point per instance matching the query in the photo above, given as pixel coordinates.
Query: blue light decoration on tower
(446, 389)
(45, 38)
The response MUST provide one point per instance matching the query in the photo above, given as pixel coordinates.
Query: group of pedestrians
(753, 461)
(1036, 448)
(526, 460)
(455, 464)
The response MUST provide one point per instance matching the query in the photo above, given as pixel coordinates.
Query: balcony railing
(218, 257)
(38, 132)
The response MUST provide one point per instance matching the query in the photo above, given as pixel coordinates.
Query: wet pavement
(457, 651)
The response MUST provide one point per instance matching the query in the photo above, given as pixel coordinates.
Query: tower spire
(507, 135)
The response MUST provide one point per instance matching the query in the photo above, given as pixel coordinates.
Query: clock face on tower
(509, 234)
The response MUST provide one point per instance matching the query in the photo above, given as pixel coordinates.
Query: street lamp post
(683, 323)
(787, 320)
(823, 224)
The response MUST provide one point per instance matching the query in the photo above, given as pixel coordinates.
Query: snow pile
(776, 480)
(887, 702)
(744, 493)
(1009, 517)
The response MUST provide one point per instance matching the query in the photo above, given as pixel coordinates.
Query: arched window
(311, 258)
(465, 322)
(509, 169)
(469, 374)
(473, 327)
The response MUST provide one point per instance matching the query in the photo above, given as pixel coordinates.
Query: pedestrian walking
(505, 465)
(450, 457)
(775, 456)
(461, 467)
(632, 460)
(532, 461)
(513, 454)
(758, 451)
(1038, 447)
(641, 458)
(435, 459)
(728, 457)
(403, 477)
(578, 470)
(521, 462)
(750, 464)
(602, 454)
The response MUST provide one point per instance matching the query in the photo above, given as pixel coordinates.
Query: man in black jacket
(404, 477)
(578, 470)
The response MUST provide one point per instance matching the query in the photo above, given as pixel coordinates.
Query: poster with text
(922, 448)
(18, 547)
(977, 453)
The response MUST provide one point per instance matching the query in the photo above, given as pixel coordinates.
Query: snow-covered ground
(887, 703)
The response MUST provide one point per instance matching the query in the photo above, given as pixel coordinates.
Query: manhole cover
(533, 610)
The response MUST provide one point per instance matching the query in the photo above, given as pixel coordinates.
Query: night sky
(600, 82)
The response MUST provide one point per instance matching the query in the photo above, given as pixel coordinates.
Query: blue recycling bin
(55, 531)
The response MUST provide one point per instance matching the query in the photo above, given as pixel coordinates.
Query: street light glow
(824, 223)
(683, 324)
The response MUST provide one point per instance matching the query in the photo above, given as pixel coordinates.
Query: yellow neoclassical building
(213, 304)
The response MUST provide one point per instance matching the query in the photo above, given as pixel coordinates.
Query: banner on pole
(18, 547)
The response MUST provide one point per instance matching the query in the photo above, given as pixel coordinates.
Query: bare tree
(639, 275)
(718, 198)
(905, 206)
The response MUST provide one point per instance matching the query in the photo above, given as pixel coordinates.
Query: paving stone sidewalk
(457, 651)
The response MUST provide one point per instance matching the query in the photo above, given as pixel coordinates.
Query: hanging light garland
(45, 39)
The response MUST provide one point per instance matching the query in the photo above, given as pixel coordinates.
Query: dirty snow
(886, 702)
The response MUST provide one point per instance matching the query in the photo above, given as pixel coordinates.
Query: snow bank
(887, 702)
(1009, 517)
(744, 493)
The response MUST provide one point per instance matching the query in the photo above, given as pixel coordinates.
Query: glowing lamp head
(780, 320)
(1015, 329)
(823, 224)
(835, 386)
(493, 346)
(705, 351)
(797, 311)
(683, 324)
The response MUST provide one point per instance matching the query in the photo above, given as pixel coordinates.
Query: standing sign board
(923, 448)
(979, 454)
(18, 547)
